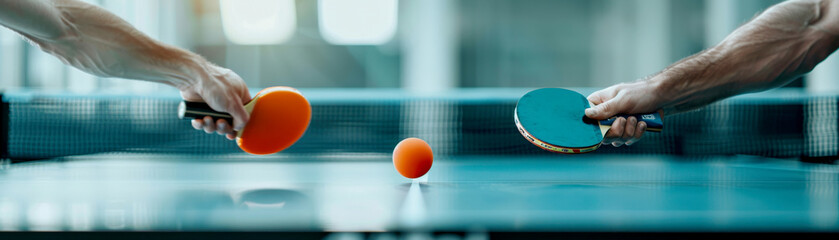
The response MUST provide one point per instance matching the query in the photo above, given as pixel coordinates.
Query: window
(258, 22)
(357, 22)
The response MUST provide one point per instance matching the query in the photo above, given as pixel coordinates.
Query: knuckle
(605, 108)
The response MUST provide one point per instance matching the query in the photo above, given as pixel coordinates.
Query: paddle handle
(653, 120)
(199, 110)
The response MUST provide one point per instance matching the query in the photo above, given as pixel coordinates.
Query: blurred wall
(493, 43)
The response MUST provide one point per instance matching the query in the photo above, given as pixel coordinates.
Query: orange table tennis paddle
(278, 118)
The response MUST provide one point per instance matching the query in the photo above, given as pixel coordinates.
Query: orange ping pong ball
(412, 157)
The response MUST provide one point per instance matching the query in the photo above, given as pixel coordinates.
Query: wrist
(663, 90)
(693, 81)
(184, 69)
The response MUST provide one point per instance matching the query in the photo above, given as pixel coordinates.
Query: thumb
(602, 111)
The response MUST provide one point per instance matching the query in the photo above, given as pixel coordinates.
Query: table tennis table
(150, 173)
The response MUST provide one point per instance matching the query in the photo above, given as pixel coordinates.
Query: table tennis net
(41, 125)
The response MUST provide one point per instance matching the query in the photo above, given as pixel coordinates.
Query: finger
(231, 136)
(602, 111)
(596, 97)
(629, 131)
(209, 126)
(617, 129)
(222, 127)
(197, 124)
(641, 129)
(602, 95)
(639, 132)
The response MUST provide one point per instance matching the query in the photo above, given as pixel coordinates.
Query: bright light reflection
(253, 22)
(44, 216)
(9, 215)
(357, 22)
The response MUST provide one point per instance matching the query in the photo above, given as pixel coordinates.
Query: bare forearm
(96, 41)
(17, 15)
(784, 42)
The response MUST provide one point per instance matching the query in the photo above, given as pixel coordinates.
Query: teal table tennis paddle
(554, 119)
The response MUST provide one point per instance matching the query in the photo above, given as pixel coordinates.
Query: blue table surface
(362, 192)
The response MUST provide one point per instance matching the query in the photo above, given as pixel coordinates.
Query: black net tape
(46, 126)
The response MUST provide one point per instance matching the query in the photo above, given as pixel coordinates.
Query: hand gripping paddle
(554, 119)
(278, 117)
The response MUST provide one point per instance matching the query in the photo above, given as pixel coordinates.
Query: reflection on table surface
(461, 193)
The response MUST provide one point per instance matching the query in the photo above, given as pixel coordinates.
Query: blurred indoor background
(421, 45)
